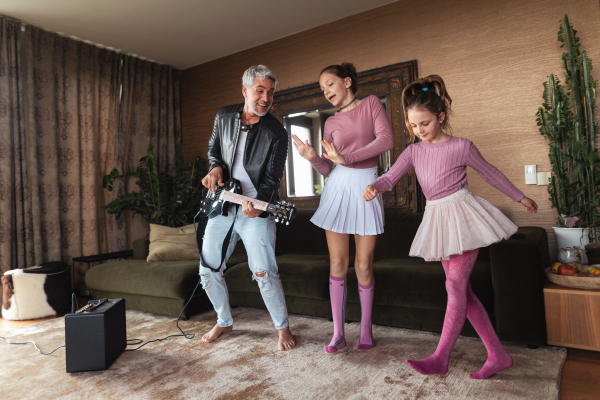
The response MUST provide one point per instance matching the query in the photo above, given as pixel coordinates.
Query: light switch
(530, 175)
(543, 178)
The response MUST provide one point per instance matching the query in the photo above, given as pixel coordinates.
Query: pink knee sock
(458, 269)
(337, 293)
(366, 306)
(498, 358)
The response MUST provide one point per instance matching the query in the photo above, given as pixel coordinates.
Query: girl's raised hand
(529, 204)
(369, 193)
(332, 153)
(304, 149)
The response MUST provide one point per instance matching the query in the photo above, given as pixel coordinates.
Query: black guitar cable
(185, 335)
(134, 341)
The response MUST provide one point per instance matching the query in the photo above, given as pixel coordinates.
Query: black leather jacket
(264, 156)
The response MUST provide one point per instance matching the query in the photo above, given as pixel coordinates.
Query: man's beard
(254, 109)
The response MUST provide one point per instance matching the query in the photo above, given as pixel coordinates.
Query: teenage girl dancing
(455, 223)
(353, 139)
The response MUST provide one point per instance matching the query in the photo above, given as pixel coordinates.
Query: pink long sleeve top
(441, 169)
(360, 135)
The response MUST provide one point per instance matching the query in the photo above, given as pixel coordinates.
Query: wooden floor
(580, 376)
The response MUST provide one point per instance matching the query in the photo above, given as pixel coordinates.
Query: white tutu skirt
(457, 223)
(342, 208)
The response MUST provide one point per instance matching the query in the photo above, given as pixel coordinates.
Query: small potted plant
(566, 119)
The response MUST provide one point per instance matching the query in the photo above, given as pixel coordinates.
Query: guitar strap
(202, 222)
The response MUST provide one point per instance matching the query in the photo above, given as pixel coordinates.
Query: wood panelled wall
(493, 55)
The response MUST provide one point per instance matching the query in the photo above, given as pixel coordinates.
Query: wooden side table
(572, 317)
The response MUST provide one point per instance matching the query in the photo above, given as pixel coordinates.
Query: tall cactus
(566, 119)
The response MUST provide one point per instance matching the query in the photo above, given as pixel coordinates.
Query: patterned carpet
(245, 364)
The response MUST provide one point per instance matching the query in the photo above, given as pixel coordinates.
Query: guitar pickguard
(212, 205)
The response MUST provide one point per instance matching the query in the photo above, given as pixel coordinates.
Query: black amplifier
(95, 335)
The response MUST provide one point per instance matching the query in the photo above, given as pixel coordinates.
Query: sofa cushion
(302, 275)
(413, 282)
(171, 244)
(171, 279)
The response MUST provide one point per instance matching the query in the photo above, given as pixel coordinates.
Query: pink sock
(337, 293)
(498, 358)
(366, 306)
(458, 269)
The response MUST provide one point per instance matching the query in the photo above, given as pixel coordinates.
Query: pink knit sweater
(441, 169)
(360, 135)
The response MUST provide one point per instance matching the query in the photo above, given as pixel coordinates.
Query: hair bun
(349, 67)
(344, 70)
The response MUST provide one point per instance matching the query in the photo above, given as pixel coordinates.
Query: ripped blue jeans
(258, 236)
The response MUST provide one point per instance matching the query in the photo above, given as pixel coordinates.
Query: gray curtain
(73, 112)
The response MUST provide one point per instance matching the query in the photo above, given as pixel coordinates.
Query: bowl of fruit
(575, 275)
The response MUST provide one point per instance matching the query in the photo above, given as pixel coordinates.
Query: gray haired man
(250, 145)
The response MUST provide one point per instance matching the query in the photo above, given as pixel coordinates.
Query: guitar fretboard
(238, 199)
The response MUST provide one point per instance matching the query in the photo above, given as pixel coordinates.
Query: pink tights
(463, 303)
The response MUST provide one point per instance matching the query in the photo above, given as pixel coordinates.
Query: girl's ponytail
(428, 93)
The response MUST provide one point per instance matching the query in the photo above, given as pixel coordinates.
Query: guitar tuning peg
(276, 219)
(287, 222)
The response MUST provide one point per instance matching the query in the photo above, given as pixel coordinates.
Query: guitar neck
(238, 199)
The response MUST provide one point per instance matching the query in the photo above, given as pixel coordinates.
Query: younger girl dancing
(455, 223)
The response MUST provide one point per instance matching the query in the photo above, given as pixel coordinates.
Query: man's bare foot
(216, 332)
(286, 340)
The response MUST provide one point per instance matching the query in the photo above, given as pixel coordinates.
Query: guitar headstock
(283, 211)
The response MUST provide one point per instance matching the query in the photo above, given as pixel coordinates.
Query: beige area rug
(245, 364)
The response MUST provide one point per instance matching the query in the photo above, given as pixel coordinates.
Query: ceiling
(182, 33)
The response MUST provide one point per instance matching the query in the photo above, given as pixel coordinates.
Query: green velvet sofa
(410, 293)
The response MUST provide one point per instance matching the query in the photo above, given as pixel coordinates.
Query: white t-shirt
(238, 171)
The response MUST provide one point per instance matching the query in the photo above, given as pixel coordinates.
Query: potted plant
(566, 119)
(164, 199)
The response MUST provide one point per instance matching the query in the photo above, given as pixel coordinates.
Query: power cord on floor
(73, 298)
(133, 341)
(33, 343)
(185, 335)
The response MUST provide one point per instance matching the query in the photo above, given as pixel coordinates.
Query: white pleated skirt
(457, 223)
(342, 208)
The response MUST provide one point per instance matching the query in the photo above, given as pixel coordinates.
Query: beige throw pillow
(170, 244)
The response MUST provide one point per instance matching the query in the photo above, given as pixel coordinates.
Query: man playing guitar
(250, 145)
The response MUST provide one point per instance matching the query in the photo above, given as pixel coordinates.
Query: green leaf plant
(566, 119)
(164, 199)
